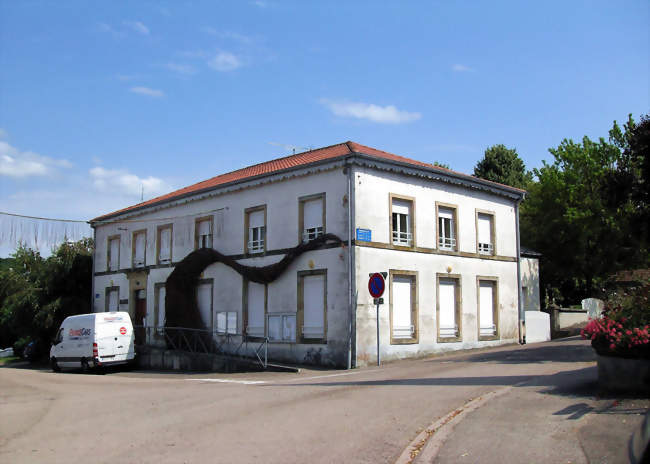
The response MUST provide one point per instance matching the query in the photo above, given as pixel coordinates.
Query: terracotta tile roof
(288, 162)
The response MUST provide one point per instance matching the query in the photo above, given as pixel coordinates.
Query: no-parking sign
(376, 285)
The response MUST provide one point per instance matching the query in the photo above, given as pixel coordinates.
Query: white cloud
(112, 180)
(181, 68)
(19, 164)
(147, 91)
(461, 68)
(137, 26)
(371, 112)
(224, 62)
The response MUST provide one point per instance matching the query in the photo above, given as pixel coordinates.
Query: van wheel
(54, 365)
(84, 365)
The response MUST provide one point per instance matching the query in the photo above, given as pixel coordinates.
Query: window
(139, 248)
(447, 228)
(226, 322)
(164, 244)
(312, 305)
(282, 327)
(448, 308)
(204, 302)
(485, 233)
(403, 307)
(113, 253)
(255, 230)
(203, 233)
(487, 308)
(112, 299)
(401, 209)
(254, 309)
(311, 216)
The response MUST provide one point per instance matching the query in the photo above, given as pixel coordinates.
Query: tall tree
(503, 165)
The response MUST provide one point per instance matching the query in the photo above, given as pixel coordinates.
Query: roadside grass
(9, 360)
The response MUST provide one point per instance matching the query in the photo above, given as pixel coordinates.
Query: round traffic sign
(376, 285)
(123, 330)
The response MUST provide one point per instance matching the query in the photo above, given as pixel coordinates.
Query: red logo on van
(123, 330)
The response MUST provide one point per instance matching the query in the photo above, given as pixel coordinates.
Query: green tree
(503, 165)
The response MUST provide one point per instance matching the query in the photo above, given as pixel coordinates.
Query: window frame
(415, 310)
(411, 220)
(245, 284)
(454, 227)
(301, 215)
(199, 220)
(300, 312)
(493, 230)
(109, 239)
(108, 290)
(247, 213)
(282, 315)
(159, 230)
(495, 307)
(133, 243)
(458, 309)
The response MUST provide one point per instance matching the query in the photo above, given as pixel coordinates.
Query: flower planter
(623, 374)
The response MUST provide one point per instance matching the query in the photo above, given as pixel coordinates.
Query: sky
(103, 103)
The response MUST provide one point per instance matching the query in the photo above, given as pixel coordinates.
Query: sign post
(376, 287)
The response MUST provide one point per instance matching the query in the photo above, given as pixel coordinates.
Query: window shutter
(219, 220)
(114, 255)
(445, 213)
(113, 296)
(255, 310)
(447, 302)
(139, 248)
(165, 243)
(314, 306)
(486, 301)
(162, 293)
(256, 219)
(313, 213)
(204, 227)
(401, 206)
(484, 229)
(402, 305)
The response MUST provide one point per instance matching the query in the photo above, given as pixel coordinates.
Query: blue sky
(101, 99)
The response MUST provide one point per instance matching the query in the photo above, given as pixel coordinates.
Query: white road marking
(243, 382)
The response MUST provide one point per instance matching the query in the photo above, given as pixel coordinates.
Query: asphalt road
(365, 415)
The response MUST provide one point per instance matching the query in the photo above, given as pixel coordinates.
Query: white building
(447, 241)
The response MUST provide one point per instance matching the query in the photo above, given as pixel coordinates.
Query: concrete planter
(621, 374)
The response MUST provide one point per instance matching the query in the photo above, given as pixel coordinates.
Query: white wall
(530, 280)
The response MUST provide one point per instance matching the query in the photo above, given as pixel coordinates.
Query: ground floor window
(312, 305)
(403, 307)
(204, 302)
(448, 308)
(487, 308)
(254, 308)
(112, 299)
(282, 327)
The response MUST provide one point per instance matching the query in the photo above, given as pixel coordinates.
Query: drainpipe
(92, 271)
(351, 300)
(522, 322)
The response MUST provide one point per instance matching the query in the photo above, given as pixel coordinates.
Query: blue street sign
(364, 235)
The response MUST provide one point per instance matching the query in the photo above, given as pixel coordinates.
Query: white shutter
(255, 310)
(401, 206)
(139, 249)
(162, 293)
(486, 302)
(447, 302)
(313, 213)
(402, 323)
(256, 219)
(165, 243)
(114, 255)
(113, 300)
(445, 213)
(204, 303)
(314, 306)
(220, 221)
(484, 229)
(204, 228)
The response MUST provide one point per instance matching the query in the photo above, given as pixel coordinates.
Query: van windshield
(59, 336)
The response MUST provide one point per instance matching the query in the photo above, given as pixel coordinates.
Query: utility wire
(41, 218)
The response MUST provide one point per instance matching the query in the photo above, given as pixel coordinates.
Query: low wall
(571, 317)
(538, 326)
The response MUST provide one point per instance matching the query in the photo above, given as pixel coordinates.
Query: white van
(93, 340)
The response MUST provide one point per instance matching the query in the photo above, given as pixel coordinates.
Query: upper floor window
(113, 253)
(139, 248)
(485, 233)
(312, 217)
(164, 244)
(447, 228)
(255, 229)
(401, 221)
(203, 233)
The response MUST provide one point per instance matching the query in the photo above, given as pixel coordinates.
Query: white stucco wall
(530, 281)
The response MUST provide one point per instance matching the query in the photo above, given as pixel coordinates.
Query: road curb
(425, 447)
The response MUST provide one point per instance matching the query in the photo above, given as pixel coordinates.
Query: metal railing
(402, 238)
(447, 243)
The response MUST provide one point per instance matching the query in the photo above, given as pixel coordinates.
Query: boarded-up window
(112, 299)
(165, 244)
(139, 247)
(256, 231)
(447, 304)
(312, 304)
(203, 231)
(403, 325)
(204, 303)
(401, 222)
(485, 239)
(446, 228)
(312, 214)
(255, 309)
(487, 323)
(282, 327)
(113, 257)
